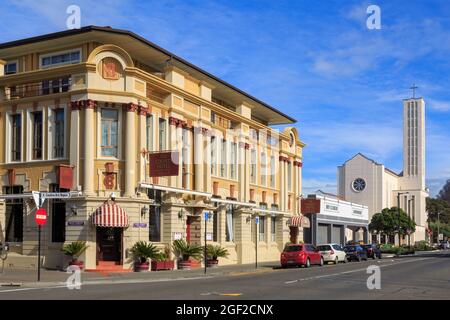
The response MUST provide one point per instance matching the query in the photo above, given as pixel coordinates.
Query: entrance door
(188, 229)
(109, 244)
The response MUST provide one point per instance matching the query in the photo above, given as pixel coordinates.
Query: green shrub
(423, 246)
(143, 251)
(75, 249)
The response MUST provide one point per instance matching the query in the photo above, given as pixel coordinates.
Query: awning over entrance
(110, 216)
(299, 221)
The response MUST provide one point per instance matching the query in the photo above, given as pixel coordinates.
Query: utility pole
(439, 223)
(39, 240)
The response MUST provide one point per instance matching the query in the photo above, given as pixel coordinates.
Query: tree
(389, 222)
(444, 194)
(437, 205)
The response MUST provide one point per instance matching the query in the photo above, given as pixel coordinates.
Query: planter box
(163, 265)
(184, 265)
(78, 263)
(212, 263)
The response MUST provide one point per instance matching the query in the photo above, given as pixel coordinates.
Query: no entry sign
(41, 216)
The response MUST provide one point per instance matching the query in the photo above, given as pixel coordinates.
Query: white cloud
(438, 105)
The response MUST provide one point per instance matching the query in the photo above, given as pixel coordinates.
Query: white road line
(351, 271)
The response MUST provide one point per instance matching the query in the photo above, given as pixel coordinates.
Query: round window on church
(359, 185)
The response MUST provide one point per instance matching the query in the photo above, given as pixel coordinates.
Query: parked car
(300, 255)
(373, 250)
(332, 253)
(444, 245)
(355, 252)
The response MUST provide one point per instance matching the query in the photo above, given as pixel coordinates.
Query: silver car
(332, 252)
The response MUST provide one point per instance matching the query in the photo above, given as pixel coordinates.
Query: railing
(42, 88)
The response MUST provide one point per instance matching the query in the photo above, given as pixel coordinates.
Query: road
(419, 277)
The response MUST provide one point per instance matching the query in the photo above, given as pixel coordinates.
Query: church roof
(376, 163)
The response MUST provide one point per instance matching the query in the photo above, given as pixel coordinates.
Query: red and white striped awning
(110, 216)
(299, 221)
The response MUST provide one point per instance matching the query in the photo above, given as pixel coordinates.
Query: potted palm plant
(143, 251)
(74, 250)
(162, 261)
(213, 253)
(184, 251)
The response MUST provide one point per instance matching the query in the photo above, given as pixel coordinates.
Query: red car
(300, 255)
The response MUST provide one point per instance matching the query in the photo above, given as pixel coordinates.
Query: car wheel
(336, 261)
(308, 263)
(345, 260)
(321, 261)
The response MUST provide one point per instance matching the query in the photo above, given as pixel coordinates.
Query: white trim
(175, 190)
(238, 203)
(41, 57)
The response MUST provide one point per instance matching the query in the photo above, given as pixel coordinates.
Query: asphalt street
(425, 276)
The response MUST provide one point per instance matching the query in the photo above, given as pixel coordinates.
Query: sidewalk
(28, 277)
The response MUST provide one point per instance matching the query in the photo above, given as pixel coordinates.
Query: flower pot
(141, 267)
(184, 265)
(78, 263)
(211, 263)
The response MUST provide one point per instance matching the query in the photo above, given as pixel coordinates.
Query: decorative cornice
(284, 159)
(143, 111)
(177, 122)
(298, 164)
(83, 104)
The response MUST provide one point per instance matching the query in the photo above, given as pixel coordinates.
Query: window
(273, 227)
(272, 171)
(162, 134)
(229, 230)
(58, 216)
(11, 68)
(358, 212)
(14, 215)
(16, 137)
(331, 207)
(110, 124)
(263, 169)
(213, 156)
(60, 59)
(58, 142)
(253, 166)
(37, 135)
(223, 158)
(289, 175)
(155, 216)
(149, 130)
(262, 228)
(233, 166)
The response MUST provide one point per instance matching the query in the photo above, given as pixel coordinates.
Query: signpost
(206, 220)
(256, 241)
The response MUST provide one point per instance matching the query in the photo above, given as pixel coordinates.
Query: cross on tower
(414, 88)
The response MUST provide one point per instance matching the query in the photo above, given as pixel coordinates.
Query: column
(296, 190)
(75, 141)
(207, 162)
(179, 148)
(130, 149)
(173, 146)
(198, 159)
(142, 125)
(242, 170)
(89, 151)
(282, 185)
(247, 164)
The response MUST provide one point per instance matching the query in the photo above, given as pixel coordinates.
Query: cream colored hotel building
(85, 109)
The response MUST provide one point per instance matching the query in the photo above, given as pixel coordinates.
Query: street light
(398, 209)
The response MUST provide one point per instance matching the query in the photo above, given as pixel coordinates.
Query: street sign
(257, 220)
(441, 236)
(41, 216)
(55, 195)
(206, 216)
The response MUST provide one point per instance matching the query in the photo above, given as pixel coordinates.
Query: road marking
(350, 271)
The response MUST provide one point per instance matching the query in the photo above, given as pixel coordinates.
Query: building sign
(306, 223)
(139, 225)
(177, 235)
(75, 223)
(65, 177)
(310, 206)
(164, 164)
(209, 236)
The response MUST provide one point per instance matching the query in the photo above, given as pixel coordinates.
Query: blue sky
(314, 60)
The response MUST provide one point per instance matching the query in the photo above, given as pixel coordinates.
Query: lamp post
(439, 223)
(398, 210)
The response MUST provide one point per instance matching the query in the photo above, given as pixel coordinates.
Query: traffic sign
(257, 219)
(441, 236)
(206, 216)
(41, 216)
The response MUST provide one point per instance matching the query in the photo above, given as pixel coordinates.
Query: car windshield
(350, 248)
(292, 248)
(324, 248)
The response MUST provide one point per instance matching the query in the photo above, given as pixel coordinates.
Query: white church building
(364, 181)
